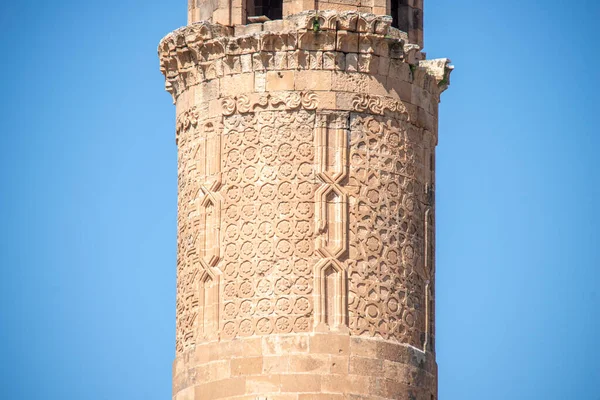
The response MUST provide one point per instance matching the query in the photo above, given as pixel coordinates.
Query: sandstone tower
(306, 134)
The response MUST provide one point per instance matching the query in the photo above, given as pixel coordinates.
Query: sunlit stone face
(306, 210)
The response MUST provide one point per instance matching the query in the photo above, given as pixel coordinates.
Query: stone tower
(306, 134)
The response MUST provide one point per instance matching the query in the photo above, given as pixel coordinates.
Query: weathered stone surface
(305, 263)
(407, 15)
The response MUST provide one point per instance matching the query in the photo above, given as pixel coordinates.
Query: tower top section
(407, 15)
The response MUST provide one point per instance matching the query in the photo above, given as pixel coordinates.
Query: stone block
(276, 364)
(221, 16)
(320, 396)
(313, 363)
(280, 80)
(274, 26)
(339, 364)
(366, 366)
(278, 345)
(246, 366)
(400, 89)
(330, 344)
(384, 66)
(363, 347)
(246, 62)
(260, 82)
(221, 389)
(352, 62)
(344, 383)
(313, 80)
(254, 28)
(270, 383)
(237, 84)
(301, 383)
(218, 370)
(186, 394)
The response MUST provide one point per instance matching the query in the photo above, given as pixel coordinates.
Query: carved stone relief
(268, 189)
(331, 220)
(199, 225)
(385, 263)
(292, 219)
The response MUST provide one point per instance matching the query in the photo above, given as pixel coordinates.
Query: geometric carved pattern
(331, 220)
(292, 220)
(199, 223)
(209, 167)
(267, 216)
(386, 281)
(302, 211)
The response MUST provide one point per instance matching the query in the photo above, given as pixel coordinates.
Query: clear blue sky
(88, 200)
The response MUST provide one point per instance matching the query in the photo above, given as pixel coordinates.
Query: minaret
(306, 134)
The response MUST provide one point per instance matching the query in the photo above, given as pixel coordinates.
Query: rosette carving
(243, 104)
(310, 100)
(228, 105)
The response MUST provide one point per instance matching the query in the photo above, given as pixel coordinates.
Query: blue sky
(88, 200)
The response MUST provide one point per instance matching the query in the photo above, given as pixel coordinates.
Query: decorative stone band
(378, 105)
(324, 40)
(287, 101)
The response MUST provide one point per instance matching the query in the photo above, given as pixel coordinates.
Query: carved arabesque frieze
(292, 100)
(188, 119)
(273, 101)
(380, 105)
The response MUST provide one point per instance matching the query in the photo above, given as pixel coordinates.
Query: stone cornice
(204, 51)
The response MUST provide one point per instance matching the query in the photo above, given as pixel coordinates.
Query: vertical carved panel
(212, 157)
(330, 295)
(385, 266)
(331, 143)
(210, 229)
(209, 307)
(210, 170)
(331, 202)
(429, 275)
(429, 243)
(190, 319)
(334, 216)
(331, 291)
(268, 196)
(199, 244)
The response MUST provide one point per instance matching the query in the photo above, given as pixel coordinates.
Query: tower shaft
(305, 266)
